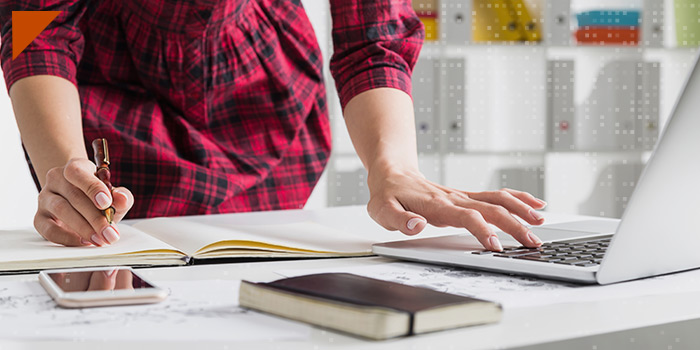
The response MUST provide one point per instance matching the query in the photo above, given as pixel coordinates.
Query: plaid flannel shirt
(213, 106)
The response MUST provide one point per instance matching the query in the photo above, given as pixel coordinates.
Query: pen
(102, 172)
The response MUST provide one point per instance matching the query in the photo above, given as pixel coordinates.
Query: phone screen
(98, 280)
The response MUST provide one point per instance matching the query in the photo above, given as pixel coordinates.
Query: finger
(103, 280)
(64, 280)
(81, 174)
(76, 282)
(475, 223)
(125, 280)
(392, 216)
(101, 233)
(514, 205)
(59, 208)
(123, 201)
(527, 198)
(447, 213)
(55, 232)
(502, 218)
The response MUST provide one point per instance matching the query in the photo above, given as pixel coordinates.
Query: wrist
(42, 163)
(385, 168)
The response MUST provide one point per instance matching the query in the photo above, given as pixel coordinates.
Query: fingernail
(110, 234)
(544, 204)
(537, 216)
(109, 272)
(121, 194)
(84, 242)
(413, 223)
(97, 240)
(533, 238)
(495, 243)
(102, 200)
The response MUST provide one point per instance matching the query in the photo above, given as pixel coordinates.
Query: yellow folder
(427, 11)
(503, 20)
(431, 28)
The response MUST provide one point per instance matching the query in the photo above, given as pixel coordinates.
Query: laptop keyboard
(579, 252)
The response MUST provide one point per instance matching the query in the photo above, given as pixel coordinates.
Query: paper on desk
(194, 311)
(513, 291)
(453, 280)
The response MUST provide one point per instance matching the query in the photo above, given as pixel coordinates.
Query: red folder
(608, 35)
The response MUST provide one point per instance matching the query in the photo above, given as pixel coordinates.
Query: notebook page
(192, 238)
(28, 245)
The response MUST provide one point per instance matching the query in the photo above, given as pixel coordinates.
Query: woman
(215, 106)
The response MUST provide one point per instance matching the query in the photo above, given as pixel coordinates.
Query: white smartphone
(103, 286)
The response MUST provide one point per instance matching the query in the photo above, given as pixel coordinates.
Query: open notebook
(178, 241)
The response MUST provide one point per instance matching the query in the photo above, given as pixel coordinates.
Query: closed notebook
(366, 307)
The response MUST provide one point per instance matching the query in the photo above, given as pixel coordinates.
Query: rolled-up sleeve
(56, 51)
(376, 44)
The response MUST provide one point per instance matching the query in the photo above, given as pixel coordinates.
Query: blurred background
(563, 99)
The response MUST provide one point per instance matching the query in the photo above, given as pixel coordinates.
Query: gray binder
(349, 188)
(560, 105)
(613, 115)
(530, 180)
(557, 23)
(647, 124)
(426, 103)
(653, 23)
(453, 87)
(455, 21)
(613, 189)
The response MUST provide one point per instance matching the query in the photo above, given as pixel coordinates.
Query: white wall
(319, 14)
(17, 191)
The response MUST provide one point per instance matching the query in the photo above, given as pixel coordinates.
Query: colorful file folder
(608, 27)
(687, 22)
(426, 10)
(504, 20)
(609, 18)
(607, 36)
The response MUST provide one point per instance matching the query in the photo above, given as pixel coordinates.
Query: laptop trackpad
(592, 226)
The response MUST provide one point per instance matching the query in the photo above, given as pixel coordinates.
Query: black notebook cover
(354, 289)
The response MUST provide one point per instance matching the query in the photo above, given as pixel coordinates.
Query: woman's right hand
(71, 204)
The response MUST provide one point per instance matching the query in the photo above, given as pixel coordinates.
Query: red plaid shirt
(214, 106)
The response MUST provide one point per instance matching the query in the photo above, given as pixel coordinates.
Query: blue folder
(605, 18)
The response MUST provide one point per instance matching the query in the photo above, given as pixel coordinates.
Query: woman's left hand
(407, 201)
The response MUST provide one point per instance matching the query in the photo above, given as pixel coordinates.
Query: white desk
(519, 327)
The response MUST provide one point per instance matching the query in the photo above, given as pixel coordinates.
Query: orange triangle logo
(26, 26)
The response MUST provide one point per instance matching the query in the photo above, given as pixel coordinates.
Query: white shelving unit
(496, 129)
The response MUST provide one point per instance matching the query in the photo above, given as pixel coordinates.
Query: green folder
(687, 22)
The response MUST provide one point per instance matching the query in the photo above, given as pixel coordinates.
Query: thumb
(123, 201)
(81, 174)
(392, 216)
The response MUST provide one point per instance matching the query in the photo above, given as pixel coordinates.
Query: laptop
(659, 231)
